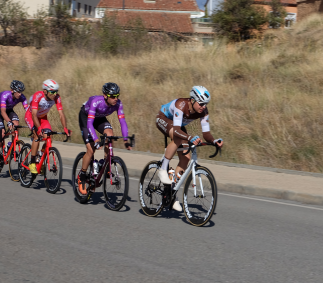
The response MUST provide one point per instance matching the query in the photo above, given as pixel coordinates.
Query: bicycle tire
(197, 211)
(80, 197)
(116, 196)
(151, 190)
(49, 174)
(25, 176)
(14, 165)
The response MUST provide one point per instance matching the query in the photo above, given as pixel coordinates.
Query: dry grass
(266, 97)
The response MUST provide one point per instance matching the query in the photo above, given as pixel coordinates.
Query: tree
(239, 19)
(13, 17)
(276, 17)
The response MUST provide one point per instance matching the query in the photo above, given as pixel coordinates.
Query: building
(78, 8)
(211, 5)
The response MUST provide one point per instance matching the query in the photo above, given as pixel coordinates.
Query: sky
(201, 3)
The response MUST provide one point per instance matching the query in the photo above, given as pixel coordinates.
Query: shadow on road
(40, 184)
(131, 200)
(166, 213)
(4, 174)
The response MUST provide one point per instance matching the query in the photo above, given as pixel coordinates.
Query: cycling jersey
(179, 112)
(96, 107)
(39, 102)
(8, 101)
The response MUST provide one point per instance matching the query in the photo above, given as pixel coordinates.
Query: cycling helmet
(17, 86)
(110, 88)
(50, 85)
(200, 94)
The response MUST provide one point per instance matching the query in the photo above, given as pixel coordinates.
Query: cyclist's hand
(97, 144)
(219, 142)
(127, 145)
(67, 132)
(10, 125)
(196, 140)
(39, 133)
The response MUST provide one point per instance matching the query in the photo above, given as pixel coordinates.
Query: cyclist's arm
(35, 118)
(177, 124)
(62, 118)
(59, 107)
(122, 121)
(3, 105)
(206, 128)
(24, 102)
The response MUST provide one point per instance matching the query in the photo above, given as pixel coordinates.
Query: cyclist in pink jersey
(36, 116)
(8, 100)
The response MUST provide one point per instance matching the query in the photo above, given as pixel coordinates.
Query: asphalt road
(53, 238)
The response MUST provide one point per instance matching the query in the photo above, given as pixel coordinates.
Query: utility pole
(123, 4)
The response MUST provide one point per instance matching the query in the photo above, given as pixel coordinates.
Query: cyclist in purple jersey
(93, 117)
(8, 100)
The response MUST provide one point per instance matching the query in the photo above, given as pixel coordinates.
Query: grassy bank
(266, 97)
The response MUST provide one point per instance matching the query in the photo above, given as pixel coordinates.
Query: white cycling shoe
(177, 206)
(163, 176)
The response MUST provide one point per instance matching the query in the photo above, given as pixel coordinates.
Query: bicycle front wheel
(151, 190)
(116, 184)
(53, 170)
(13, 161)
(200, 201)
(26, 178)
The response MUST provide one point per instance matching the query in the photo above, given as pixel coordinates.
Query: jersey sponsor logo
(176, 114)
(91, 117)
(121, 116)
(95, 104)
(181, 105)
(161, 122)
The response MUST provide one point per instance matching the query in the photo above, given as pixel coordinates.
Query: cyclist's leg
(44, 125)
(14, 118)
(2, 129)
(103, 126)
(183, 159)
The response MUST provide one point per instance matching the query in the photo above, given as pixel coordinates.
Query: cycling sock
(33, 159)
(165, 164)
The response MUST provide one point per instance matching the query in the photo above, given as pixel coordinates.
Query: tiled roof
(167, 5)
(284, 2)
(155, 21)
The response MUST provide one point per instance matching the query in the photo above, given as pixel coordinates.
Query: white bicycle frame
(190, 167)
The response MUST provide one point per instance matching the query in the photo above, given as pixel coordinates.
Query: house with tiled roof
(172, 16)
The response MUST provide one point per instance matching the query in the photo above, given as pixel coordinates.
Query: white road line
(251, 198)
(272, 201)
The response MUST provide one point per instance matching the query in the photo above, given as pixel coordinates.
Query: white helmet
(200, 94)
(50, 85)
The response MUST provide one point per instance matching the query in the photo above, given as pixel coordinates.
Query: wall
(308, 7)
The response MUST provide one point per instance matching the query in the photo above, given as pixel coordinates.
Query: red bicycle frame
(48, 143)
(13, 144)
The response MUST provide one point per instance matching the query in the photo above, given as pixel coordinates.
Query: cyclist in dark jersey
(8, 100)
(171, 121)
(93, 117)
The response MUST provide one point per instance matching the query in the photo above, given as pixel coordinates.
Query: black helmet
(110, 88)
(17, 86)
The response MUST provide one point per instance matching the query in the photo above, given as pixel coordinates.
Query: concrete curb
(244, 190)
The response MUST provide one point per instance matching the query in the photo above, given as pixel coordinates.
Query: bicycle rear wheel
(53, 170)
(25, 176)
(13, 161)
(199, 208)
(151, 190)
(77, 166)
(116, 184)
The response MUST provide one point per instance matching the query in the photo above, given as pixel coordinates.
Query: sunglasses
(113, 95)
(54, 92)
(202, 104)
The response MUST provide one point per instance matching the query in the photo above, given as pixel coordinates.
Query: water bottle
(95, 167)
(101, 161)
(171, 174)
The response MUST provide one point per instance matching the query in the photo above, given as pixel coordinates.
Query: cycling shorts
(99, 123)
(44, 123)
(165, 125)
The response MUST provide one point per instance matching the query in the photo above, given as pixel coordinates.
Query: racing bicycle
(113, 173)
(49, 164)
(199, 194)
(10, 156)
